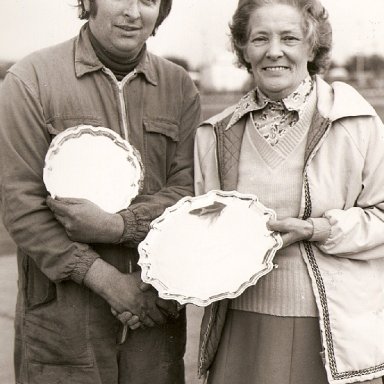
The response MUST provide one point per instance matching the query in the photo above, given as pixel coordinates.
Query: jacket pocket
(55, 321)
(165, 127)
(160, 143)
(58, 124)
(39, 289)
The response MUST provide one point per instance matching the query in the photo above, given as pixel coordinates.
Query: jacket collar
(340, 100)
(86, 60)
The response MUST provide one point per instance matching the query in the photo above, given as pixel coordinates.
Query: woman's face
(277, 49)
(123, 26)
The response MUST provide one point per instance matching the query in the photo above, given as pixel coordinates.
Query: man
(77, 262)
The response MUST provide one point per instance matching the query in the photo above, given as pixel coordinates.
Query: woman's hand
(85, 222)
(291, 229)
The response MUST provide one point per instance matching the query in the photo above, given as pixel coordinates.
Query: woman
(312, 152)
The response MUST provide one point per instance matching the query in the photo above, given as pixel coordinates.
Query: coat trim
(212, 316)
(336, 375)
(216, 310)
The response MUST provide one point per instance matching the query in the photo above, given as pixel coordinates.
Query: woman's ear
(311, 55)
(245, 55)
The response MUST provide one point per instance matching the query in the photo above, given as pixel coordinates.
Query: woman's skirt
(264, 349)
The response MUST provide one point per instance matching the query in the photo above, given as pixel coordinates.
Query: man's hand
(291, 230)
(128, 319)
(85, 222)
(123, 293)
(130, 297)
(169, 308)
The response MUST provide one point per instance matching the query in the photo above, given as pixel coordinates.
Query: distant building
(195, 75)
(337, 74)
(222, 75)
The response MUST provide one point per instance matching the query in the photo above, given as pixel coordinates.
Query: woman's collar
(256, 100)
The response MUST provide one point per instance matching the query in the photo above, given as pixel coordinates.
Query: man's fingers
(57, 207)
(136, 326)
(134, 320)
(71, 200)
(52, 203)
(144, 286)
(129, 319)
(147, 321)
(169, 307)
(125, 317)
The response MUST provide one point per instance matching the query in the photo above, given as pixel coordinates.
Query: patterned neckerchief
(273, 118)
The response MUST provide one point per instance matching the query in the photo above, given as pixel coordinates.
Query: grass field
(8, 277)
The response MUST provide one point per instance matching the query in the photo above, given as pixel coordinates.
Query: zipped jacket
(156, 108)
(343, 192)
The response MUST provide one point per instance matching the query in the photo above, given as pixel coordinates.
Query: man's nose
(132, 9)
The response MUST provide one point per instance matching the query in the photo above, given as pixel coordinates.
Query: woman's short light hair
(165, 8)
(317, 28)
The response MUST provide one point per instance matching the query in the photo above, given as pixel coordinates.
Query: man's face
(122, 26)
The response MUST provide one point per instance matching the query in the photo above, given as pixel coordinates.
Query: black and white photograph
(192, 192)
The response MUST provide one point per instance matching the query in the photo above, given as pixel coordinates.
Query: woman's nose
(131, 9)
(274, 50)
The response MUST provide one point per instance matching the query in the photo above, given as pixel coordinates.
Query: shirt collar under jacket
(256, 100)
(86, 60)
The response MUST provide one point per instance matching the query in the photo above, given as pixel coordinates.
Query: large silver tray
(209, 247)
(94, 163)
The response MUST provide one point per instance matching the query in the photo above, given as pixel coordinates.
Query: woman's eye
(259, 40)
(291, 38)
(149, 1)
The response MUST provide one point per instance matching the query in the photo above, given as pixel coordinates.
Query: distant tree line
(368, 63)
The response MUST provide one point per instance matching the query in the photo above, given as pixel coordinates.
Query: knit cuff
(321, 229)
(136, 226)
(85, 258)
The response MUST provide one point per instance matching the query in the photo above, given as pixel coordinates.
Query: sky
(196, 29)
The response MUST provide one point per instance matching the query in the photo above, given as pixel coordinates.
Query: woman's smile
(277, 49)
(275, 69)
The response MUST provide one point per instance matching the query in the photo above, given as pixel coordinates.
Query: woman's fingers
(284, 225)
(291, 229)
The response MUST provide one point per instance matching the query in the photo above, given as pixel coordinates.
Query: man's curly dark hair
(316, 26)
(165, 8)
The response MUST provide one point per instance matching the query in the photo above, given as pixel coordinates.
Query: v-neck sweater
(275, 175)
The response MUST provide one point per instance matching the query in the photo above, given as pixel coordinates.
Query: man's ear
(87, 5)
